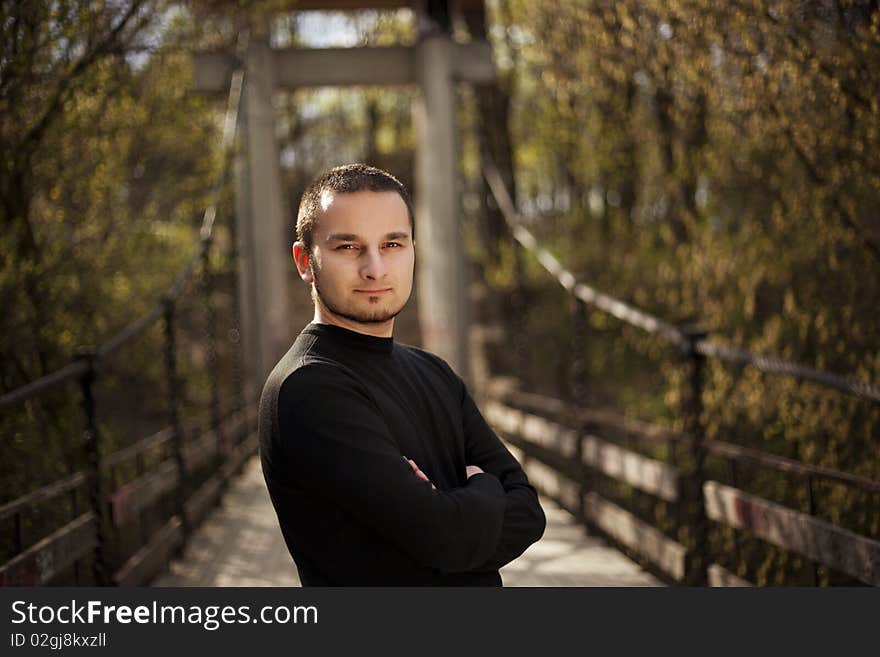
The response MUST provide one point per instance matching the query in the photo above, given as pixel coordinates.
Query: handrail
(192, 497)
(79, 368)
(592, 420)
(654, 325)
(776, 365)
(610, 305)
(37, 563)
(553, 432)
(28, 390)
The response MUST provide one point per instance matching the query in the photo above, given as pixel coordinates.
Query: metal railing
(569, 454)
(647, 322)
(214, 455)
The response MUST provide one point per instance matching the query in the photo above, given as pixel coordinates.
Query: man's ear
(303, 263)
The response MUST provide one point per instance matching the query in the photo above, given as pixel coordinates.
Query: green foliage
(108, 163)
(715, 163)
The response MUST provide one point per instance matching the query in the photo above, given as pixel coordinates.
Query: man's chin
(373, 320)
(380, 317)
(367, 317)
(356, 311)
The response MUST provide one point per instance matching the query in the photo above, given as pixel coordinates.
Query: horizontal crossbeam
(339, 67)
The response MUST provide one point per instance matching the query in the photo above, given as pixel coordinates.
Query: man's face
(362, 257)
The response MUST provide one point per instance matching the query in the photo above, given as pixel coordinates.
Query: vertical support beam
(213, 363)
(577, 394)
(811, 509)
(246, 263)
(174, 398)
(244, 342)
(93, 454)
(262, 230)
(695, 476)
(441, 270)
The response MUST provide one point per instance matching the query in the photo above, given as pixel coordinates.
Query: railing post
(694, 478)
(579, 368)
(211, 342)
(519, 316)
(739, 553)
(234, 335)
(173, 384)
(74, 510)
(91, 438)
(577, 373)
(18, 537)
(143, 534)
(811, 509)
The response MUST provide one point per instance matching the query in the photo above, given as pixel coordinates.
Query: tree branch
(103, 47)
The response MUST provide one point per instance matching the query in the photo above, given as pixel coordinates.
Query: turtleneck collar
(353, 339)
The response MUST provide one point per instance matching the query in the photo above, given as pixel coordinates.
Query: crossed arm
(351, 460)
(524, 521)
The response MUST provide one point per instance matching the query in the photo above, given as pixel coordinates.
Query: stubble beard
(376, 317)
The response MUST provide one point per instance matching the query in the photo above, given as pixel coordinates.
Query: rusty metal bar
(32, 389)
(74, 508)
(739, 554)
(92, 437)
(207, 281)
(699, 557)
(173, 391)
(811, 509)
(18, 533)
(654, 433)
(774, 365)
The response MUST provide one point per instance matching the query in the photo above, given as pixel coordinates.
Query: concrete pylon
(441, 266)
(263, 233)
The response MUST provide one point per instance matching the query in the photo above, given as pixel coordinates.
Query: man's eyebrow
(351, 237)
(342, 237)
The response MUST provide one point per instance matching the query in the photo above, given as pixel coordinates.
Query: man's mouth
(385, 289)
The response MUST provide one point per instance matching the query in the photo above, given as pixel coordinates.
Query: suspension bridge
(629, 503)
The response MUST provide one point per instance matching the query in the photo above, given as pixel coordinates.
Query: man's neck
(380, 330)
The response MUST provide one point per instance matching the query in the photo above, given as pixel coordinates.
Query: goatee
(379, 317)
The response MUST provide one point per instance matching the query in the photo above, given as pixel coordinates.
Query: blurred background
(715, 164)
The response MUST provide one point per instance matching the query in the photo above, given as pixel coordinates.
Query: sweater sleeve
(334, 443)
(524, 520)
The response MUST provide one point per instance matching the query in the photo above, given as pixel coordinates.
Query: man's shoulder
(427, 361)
(418, 354)
(306, 372)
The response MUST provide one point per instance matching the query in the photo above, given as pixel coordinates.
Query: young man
(380, 467)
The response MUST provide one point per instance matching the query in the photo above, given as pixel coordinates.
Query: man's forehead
(363, 213)
(330, 197)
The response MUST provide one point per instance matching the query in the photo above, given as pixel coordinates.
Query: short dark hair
(345, 179)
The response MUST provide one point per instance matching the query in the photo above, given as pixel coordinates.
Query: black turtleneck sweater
(338, 415)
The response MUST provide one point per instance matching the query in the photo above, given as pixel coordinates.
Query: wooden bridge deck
(239, 544)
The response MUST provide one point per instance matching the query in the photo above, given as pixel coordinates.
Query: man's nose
(373, 266)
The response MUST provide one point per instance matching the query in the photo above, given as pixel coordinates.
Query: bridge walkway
(239, 544)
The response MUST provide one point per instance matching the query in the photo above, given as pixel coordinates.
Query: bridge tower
(435, 64)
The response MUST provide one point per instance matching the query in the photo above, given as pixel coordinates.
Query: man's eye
(393, 244)
(346, 247)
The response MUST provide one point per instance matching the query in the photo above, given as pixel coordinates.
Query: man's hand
(471, 470)
(421, 475)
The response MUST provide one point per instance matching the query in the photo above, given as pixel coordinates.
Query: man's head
(345, 179)
(355, 247)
